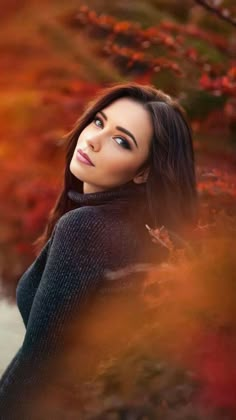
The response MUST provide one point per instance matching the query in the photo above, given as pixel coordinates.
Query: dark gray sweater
(84, 258)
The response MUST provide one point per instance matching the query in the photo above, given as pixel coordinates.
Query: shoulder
(87, 217)
(82, 224)
(80, 239)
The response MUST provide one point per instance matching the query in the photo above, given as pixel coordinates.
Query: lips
(85, 156)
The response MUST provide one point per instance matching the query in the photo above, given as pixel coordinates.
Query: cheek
(118, 166)
(81, 137)
(86, 134)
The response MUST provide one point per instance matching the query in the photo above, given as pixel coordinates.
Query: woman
(129, 163)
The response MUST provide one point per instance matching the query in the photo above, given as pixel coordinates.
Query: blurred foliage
(200, 103)
(164, 351)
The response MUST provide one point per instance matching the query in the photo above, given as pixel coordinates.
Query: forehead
(130, 114)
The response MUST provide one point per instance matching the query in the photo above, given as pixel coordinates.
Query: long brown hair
(171, 183)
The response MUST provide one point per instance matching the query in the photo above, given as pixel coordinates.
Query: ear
(141, 177)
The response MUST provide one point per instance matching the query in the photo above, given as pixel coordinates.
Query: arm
(30, 279)
(29, 282)
(73, 269)
(25, 292)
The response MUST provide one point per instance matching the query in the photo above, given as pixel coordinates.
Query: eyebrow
(121, 129)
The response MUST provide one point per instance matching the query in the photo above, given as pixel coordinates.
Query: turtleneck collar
(126, 192)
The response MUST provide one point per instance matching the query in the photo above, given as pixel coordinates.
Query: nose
(93, 142)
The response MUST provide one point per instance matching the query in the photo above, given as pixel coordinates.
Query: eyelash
(126, 146)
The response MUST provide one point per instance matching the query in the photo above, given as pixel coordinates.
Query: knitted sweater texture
(102, 236)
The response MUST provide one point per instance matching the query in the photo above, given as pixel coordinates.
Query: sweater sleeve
(74, 267)
(29, 282)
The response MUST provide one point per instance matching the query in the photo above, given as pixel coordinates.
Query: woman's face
(116, 155)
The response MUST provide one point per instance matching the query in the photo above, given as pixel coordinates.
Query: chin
(75, 172)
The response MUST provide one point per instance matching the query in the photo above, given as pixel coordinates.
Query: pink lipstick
(83, 159)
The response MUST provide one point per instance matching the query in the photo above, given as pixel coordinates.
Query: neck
(124, 193)
(128, 201)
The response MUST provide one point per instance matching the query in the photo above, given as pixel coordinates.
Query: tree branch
(221, 13)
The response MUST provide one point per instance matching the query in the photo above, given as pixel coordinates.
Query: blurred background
(54, 57)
